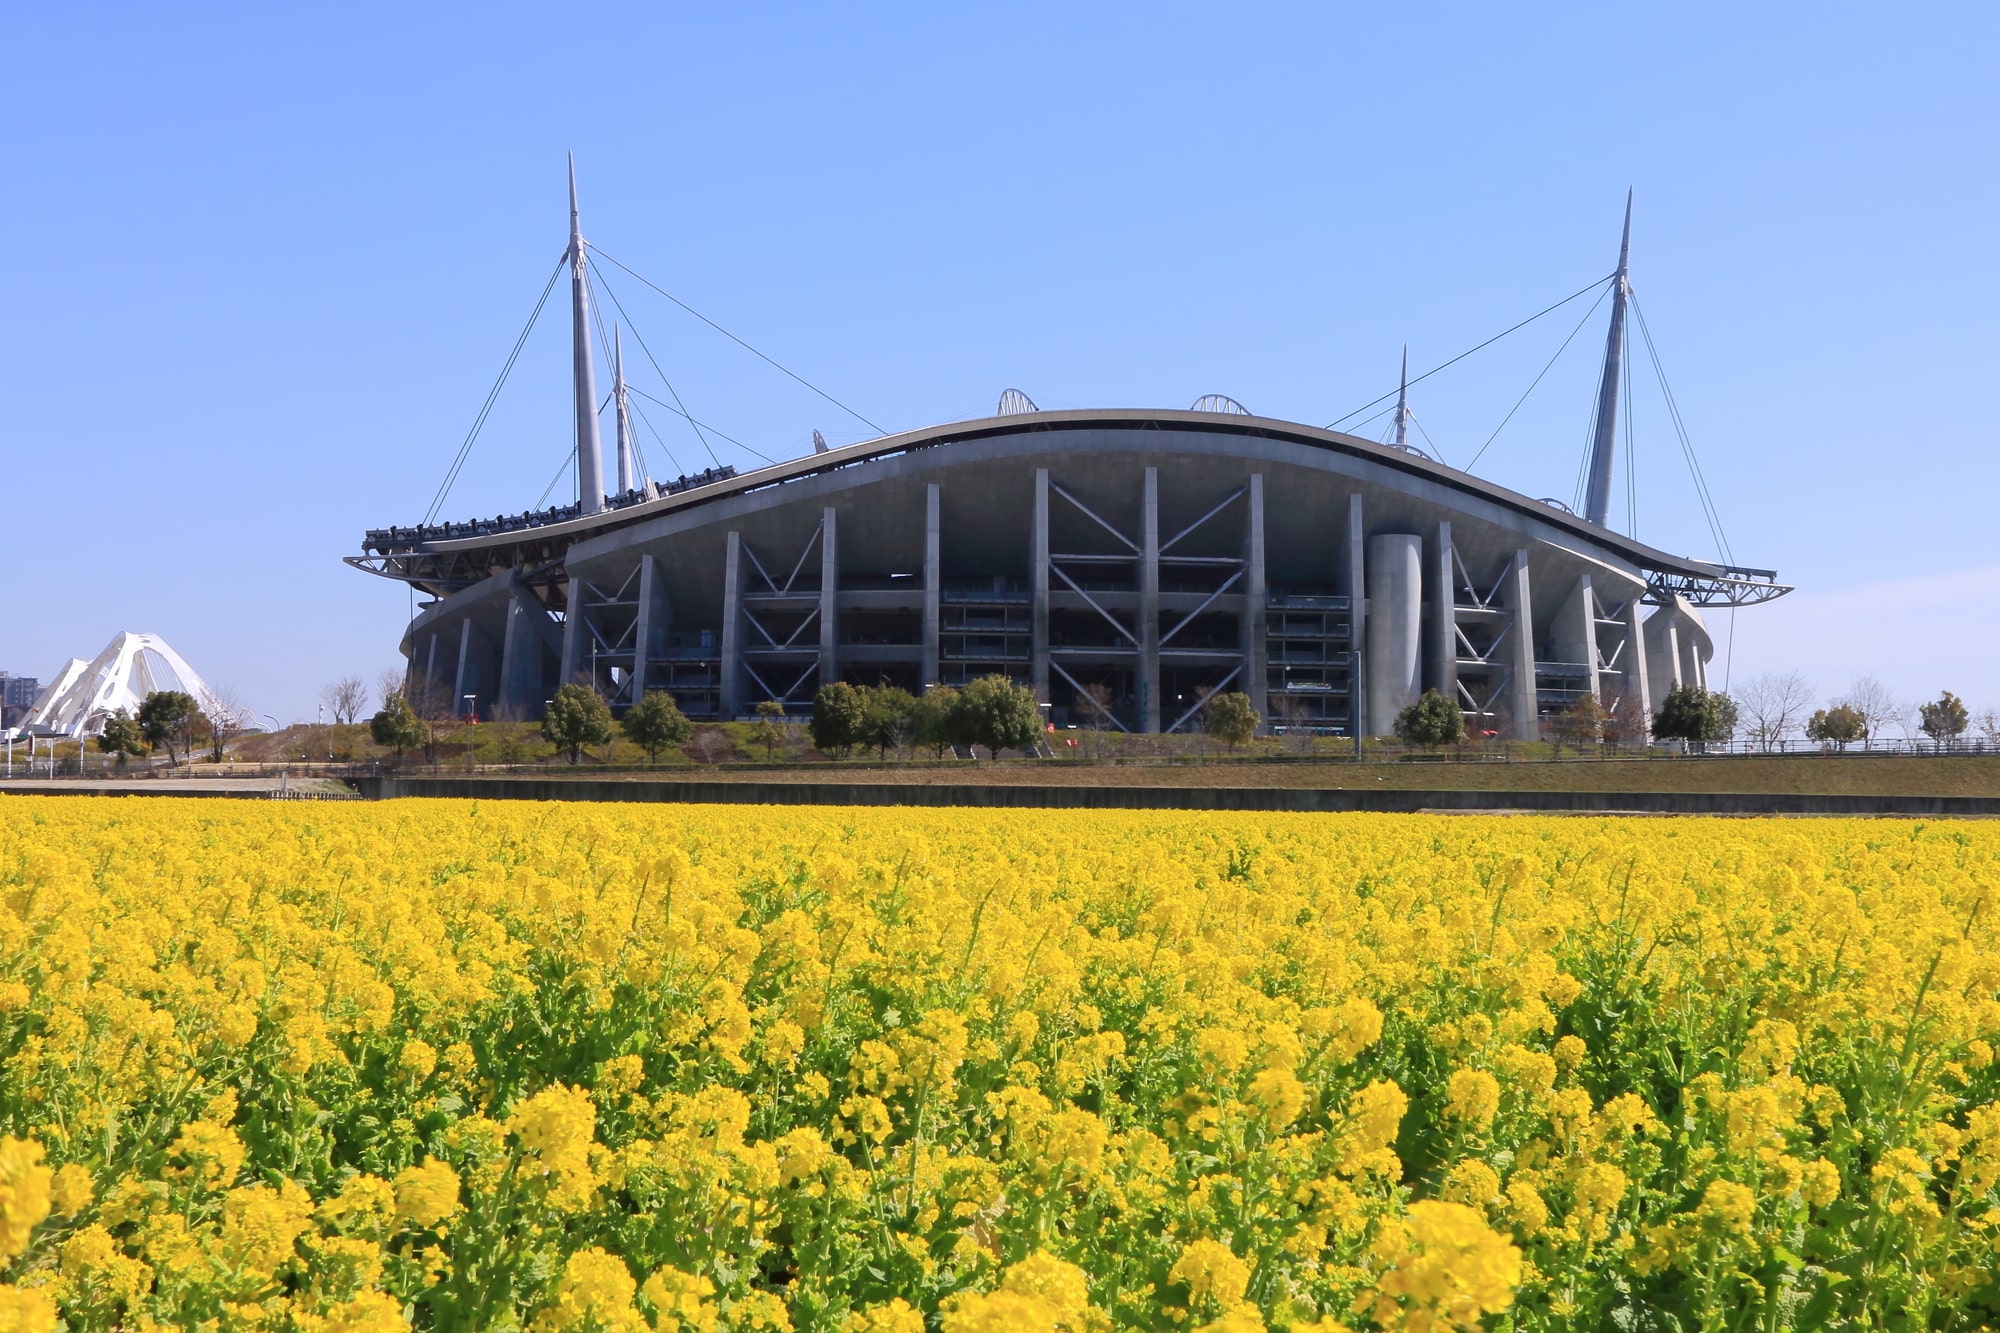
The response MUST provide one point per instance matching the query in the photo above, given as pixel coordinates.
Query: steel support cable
(1334, 424)
(556, 478)
(492, 395)
(1702, 491)
(1539, 378)
(673, 462)
(1435, 451)
(704, 425)
(744, 345)
(597, 317)
(657, 370)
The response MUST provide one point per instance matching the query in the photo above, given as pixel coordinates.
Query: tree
(931, 719)
(656, 723)
(576, 717)
(166, 718)
(888, 718)
(1581, 724)
(226, 715)
(1697, 716)
(122, 737)
(1431, 720)
(344, 699)
(839, 717)
(1775, 704)
(1878, 708)
(998, 714)
(397, 727)
(1230, 718)
(1945, 719)
(770, 727)
(1837, 726)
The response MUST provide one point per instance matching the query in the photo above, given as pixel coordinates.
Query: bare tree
(1774, 705)
(394, 680)
(1289, 711)
(226, 714)
(1093, 702)
(345, 699)
(1989, 726)
(1879, 708)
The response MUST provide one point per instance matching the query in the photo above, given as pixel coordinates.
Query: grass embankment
(730, 753)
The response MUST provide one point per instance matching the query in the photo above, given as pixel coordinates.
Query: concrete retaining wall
(1172, 798)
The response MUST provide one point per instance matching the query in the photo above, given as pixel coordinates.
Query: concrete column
(1573, 635)
(1586, 597)
(1357, 621)
(933, 576)
(428, 703)
(1255, 642)
(1444, 620)
(1149, 604)
(1038, 583)
(1395, 607)
(1696, 670)
(649, 633)
(1638, 696)
(829, 590)
(573, 626)
(473, 670)
(1521, 704)
(732, 628)
(521, 658)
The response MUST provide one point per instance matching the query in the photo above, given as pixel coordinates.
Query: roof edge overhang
(1681, 572)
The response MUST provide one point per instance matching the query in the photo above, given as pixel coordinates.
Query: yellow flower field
(549, 1067)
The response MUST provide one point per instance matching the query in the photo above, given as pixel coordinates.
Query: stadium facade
(1144, 559)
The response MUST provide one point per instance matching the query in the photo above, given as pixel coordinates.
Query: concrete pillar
(520, 688)
(1444, 620)
(1395, 609)
(829, 590)
(1638, 701)
(1038, 583)
(1573, 635)
(1357, 621)
(573, 627)
(1149, 604)
(1255, 641)
(474, 673)
(1525, 720)
(933, 575)
(731, 684)
(649, 634)
(428, 702)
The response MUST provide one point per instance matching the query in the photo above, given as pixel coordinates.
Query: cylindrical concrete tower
(1395, 621)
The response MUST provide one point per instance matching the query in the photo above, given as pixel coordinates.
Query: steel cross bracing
(777, 653)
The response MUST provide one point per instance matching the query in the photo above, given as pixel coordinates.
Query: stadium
(1127, 564)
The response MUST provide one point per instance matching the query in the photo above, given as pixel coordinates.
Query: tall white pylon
(1403, 403)
(1597, 495)
(627, 474)
(589, 456)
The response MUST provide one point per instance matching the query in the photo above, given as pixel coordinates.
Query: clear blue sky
(266, 261)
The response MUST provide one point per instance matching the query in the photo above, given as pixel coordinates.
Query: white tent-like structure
(132, 666)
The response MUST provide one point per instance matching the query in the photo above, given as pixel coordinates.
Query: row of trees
(1778, 706)
(1769, 709)
(991, 711)
(174, 721)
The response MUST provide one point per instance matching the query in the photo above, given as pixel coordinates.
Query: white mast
(627, 474)
(1403, 403)
(589, 456)
(1597, 496)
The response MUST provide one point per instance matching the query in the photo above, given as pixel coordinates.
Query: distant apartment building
(17, 696)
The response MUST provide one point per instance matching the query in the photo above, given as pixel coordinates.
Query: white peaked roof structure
(132, 666)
